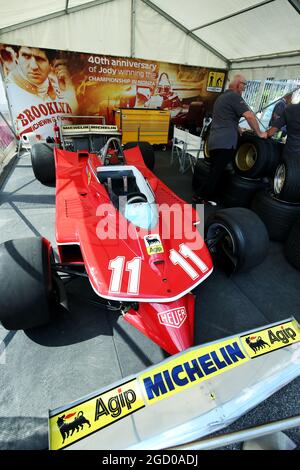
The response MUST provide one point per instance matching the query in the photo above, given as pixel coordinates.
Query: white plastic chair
(192, 152)
(179, 145)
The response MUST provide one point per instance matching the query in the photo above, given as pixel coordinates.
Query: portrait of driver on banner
(39, 88)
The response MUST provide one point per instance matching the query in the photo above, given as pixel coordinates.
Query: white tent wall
(103, 29)
(106, 29)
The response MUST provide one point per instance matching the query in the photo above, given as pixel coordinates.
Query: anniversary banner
(43, 84)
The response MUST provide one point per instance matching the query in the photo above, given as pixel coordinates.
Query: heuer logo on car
(174, 318)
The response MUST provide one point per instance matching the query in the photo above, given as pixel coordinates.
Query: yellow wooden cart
(150, 125)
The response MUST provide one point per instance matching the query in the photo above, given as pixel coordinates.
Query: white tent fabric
(237, 34)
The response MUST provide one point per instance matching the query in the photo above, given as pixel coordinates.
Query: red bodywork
(155, 286)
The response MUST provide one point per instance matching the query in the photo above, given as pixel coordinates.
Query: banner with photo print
(44, 84)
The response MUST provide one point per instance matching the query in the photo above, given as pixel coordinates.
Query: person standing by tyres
(228, 109)
(291, 119)
(279, 108)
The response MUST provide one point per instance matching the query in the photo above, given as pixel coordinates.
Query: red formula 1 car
(118, 224)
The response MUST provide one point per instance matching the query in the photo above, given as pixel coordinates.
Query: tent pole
(132, 29)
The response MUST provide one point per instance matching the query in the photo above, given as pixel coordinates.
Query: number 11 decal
(184, 250)
(117, 267)
(133, 267)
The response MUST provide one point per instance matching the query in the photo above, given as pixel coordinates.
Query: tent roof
(231, 31)
(239, 29)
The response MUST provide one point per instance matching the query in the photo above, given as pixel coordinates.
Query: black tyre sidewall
(238, 191)
(278, 216)
(248, 233)
(292, 245)
(25, 283)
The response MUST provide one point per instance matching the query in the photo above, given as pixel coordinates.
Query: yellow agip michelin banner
(43, 84)
(166, 379)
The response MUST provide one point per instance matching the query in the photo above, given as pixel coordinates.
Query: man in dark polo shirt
(228, 109)
(279, 108)
(291, 119)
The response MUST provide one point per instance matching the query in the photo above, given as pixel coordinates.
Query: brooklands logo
(174, 318)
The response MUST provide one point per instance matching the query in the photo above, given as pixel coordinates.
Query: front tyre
(237, 239)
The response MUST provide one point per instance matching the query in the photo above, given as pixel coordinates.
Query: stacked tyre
(256, 157)
(287, 187)
(279, 206)
(255, 162)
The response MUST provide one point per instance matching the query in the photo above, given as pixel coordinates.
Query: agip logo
(70, 423)
(73, 424)
(276, 337)
(173, 318)
(256, 343)
(153, 244)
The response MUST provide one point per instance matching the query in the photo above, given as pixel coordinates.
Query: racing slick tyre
(278, 216)
(25, 283)
(287, 180)
(292, 245)
(237, 239)
(43, 164)
(146, 151)
(238, 191)
(201, 172)
(252, 156)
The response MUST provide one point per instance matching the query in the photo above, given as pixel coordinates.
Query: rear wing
(92, 136)
(83, 129)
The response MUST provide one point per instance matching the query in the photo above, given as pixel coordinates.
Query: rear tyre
(146, 151)
(237, 239)
(292, 246)
(25, 283)
(43, 164)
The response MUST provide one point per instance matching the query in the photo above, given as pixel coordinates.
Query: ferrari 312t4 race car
(135, 240)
